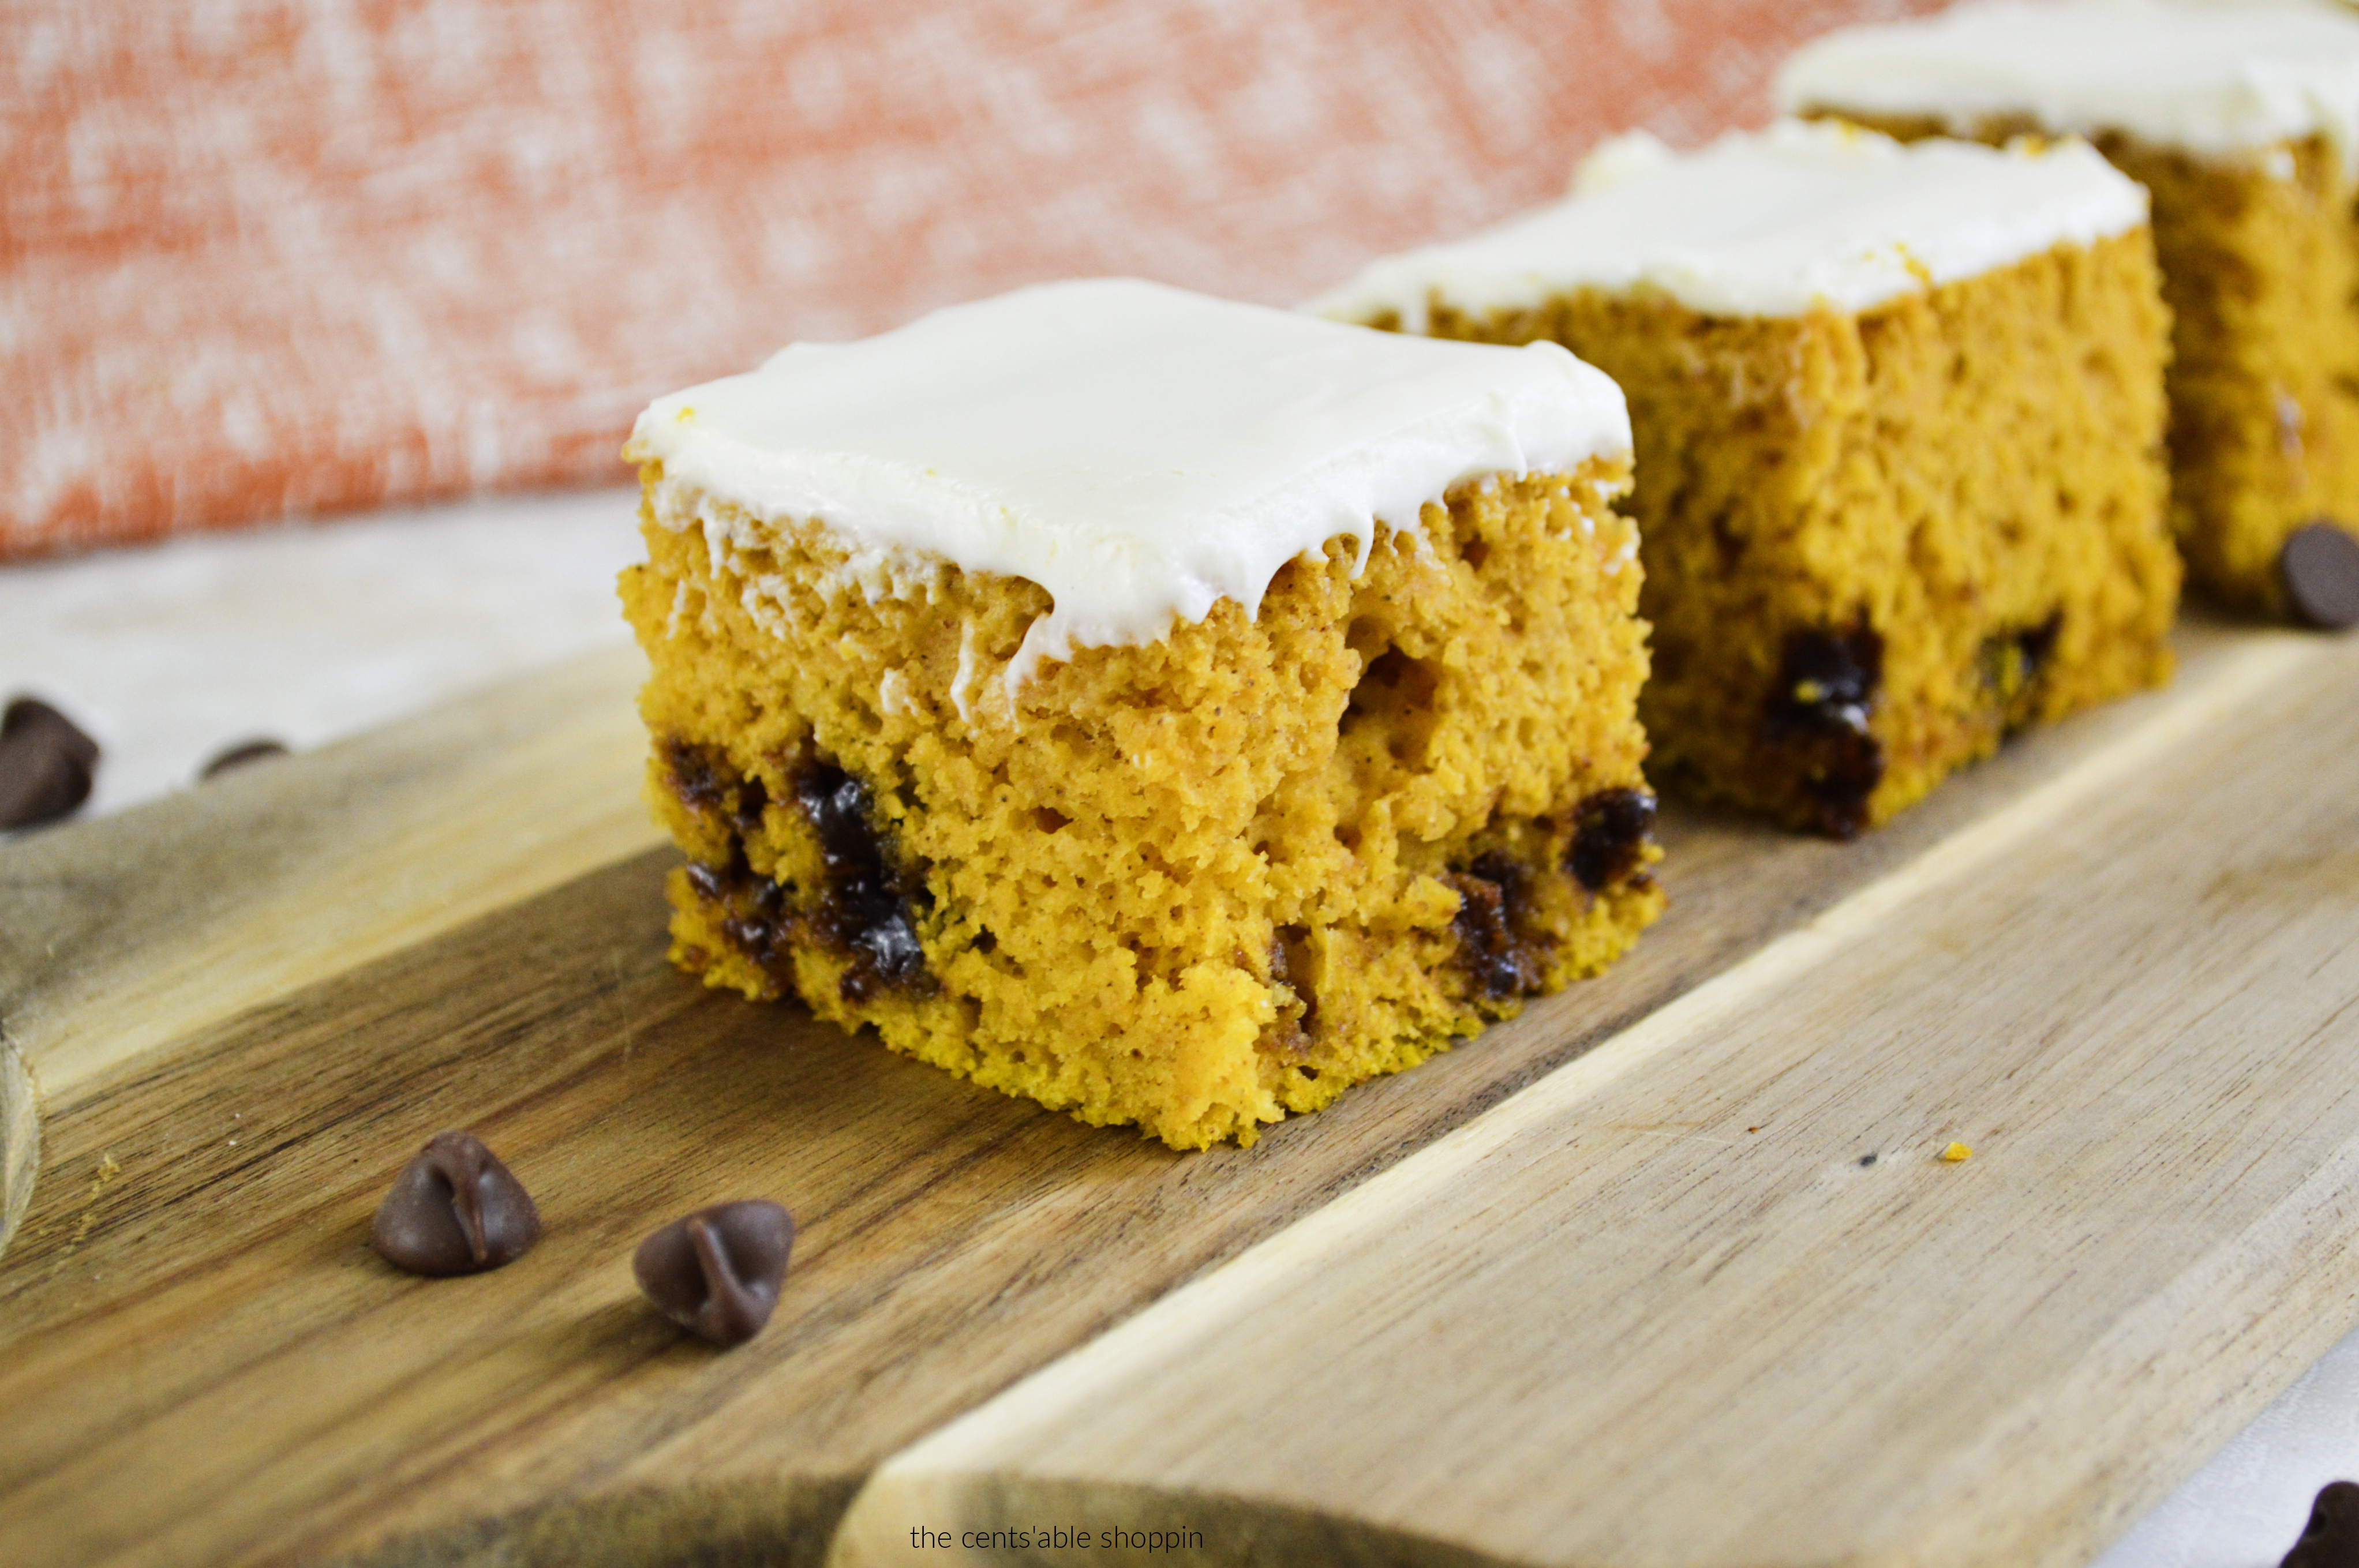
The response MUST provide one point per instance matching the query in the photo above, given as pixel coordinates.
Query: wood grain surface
(459, 924)
(1709, 1294)
(125, 935)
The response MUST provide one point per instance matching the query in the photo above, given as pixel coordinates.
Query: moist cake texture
(2242, 122)
(1170, 710)
(1898, 414)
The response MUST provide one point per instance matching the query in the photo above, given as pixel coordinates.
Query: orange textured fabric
(261, 260)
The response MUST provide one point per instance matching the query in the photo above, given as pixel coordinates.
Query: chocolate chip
(1491, 946)
(837, 804)
(2036, 645)
(1865, 1161)
(240, 755)
(697, 776)
(2320, 566)
(1820, 712)
(455, 1209)
(717, 1271)
(705, 781)
(47, 764)
(1609, 834)
(2331, 1540)
(1829, 678)
(866, 909)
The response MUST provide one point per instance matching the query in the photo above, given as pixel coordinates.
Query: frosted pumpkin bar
(2242, 122)
(1171, 710)
(1899, 415)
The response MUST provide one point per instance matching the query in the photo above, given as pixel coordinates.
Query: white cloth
(168, 655)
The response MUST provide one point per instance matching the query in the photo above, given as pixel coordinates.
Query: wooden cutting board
(1609, 1285)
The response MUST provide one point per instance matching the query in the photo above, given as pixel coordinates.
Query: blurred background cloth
(262, 260)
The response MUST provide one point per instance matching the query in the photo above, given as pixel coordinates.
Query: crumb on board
(1956, 1153)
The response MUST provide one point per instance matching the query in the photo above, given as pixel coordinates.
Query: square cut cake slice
(2241, 120)
(1900, 418)
(1173, 710)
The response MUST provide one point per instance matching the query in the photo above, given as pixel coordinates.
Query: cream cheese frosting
(1139, 451)
(1774, 223)
(2211, 79)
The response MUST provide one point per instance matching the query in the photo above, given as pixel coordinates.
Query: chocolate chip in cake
(717, 1273)
(837, 804)
(2331, 1540)
(1491, 946)
(1830, 678)
(1610, 833)
(2320, 566)
(242, 754)
(759, 923)
(2037, 646)
(696, 777)
(866, 910)
(752, 911)
(455, 1209)
(1826, 692)
(705, 781)
(47, 764)
(753, 800)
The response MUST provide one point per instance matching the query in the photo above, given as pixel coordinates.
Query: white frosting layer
(1768, 224)
(2207, 77)
(1138, 452)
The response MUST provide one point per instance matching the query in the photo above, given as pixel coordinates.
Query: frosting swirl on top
(1139, 451)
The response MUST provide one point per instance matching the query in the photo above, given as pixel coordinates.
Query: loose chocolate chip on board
(241, 754)
(2319, 566)
(2331, 1540)
(47, 764)
(717, 1273)
(455, 1209)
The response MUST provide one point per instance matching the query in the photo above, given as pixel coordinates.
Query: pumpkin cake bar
(1171, 710)
(1899, 416)
(2242, 122)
